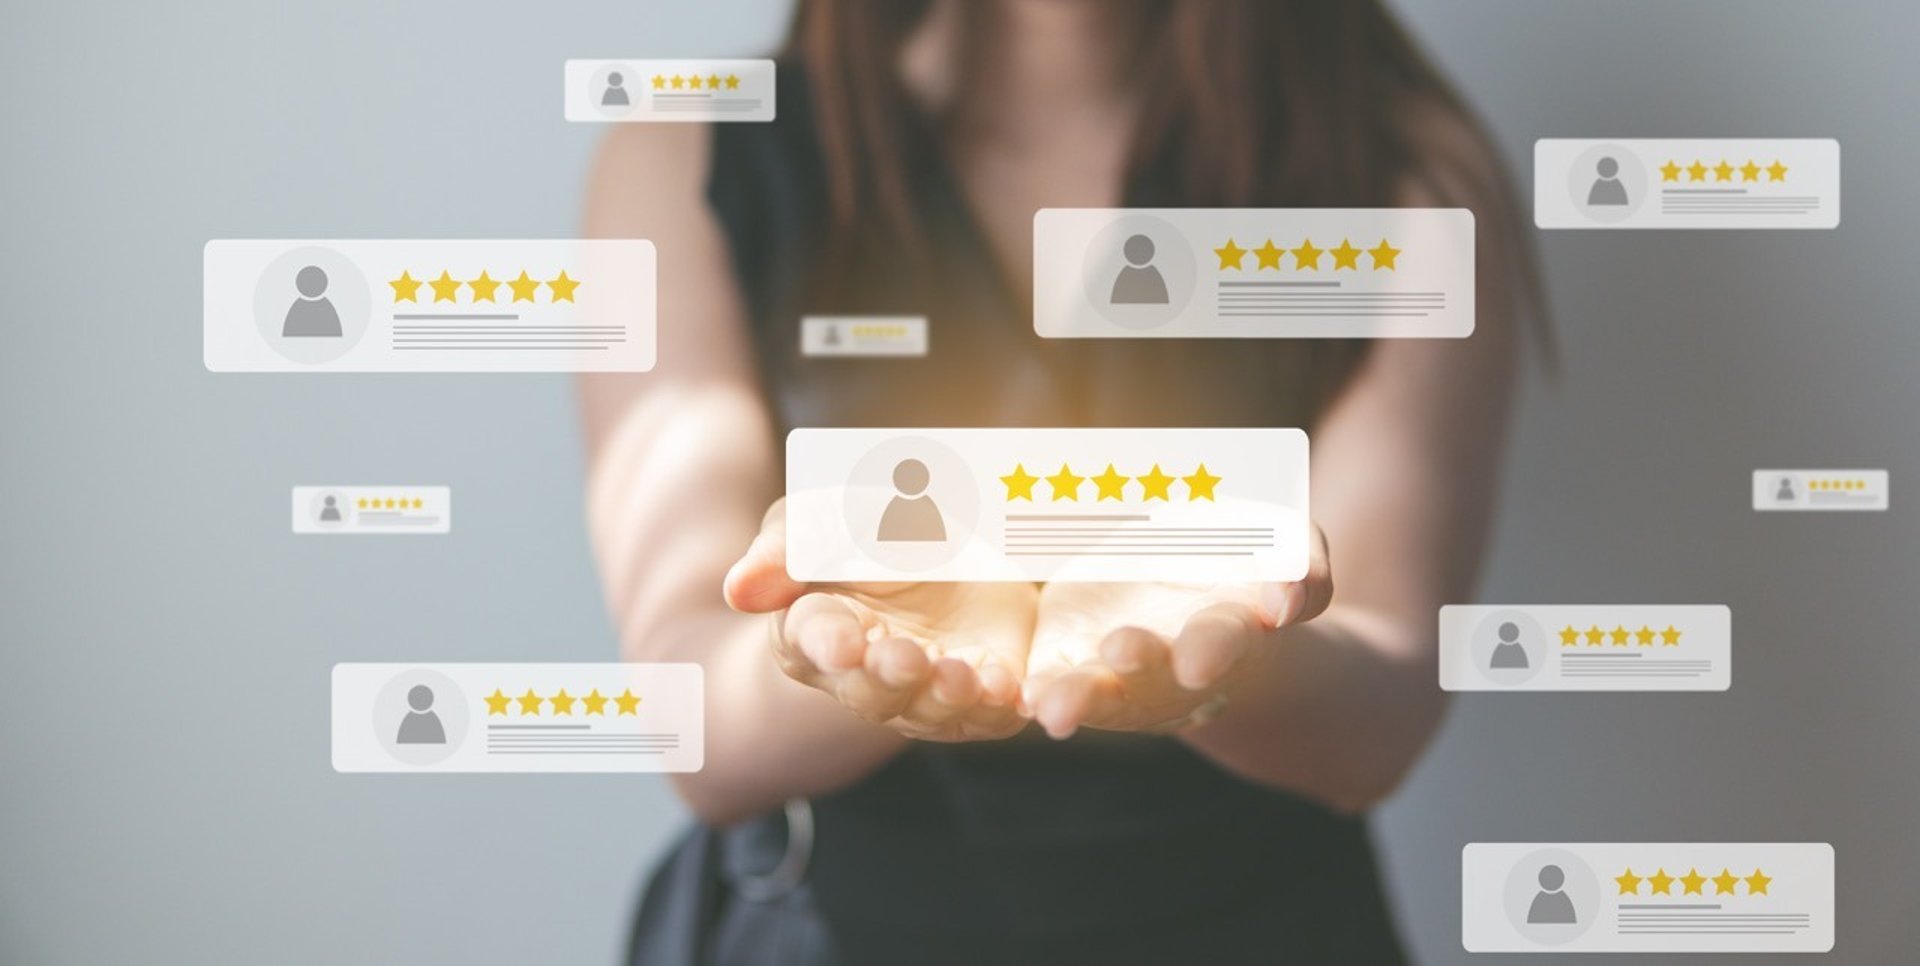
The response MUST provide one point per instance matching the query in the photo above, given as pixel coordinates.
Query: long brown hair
(1249, 103)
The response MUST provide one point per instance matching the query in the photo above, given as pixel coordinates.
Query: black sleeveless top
(1107, 847)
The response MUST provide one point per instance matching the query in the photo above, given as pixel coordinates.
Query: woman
(1010, 773)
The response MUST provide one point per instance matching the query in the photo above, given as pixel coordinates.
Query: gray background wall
(165, 794)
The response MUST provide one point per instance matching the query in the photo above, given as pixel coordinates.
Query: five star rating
(1619, 636)
(1306, 256)
(1724, 171)
(559, 703)
(712, 82)
(389, 503)
(484, 287)
(1692, 883)
(1110, 484)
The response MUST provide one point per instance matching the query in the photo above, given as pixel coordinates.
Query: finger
(998, 681)
(897, 664)
(826, 632)
(1139, 658)
(1069, 700)
(884, 687)
(758, 583)
(1212, 642)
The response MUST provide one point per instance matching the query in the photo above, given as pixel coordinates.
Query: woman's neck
(1026, 64)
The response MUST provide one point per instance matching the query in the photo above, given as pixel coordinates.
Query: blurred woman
(1063, 773)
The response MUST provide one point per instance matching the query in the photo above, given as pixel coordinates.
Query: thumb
(757, 583)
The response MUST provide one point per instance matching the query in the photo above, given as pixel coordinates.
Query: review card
(1686, 183)
(1609, 647)
(372, 509)
(1252, 273)
(669, 90)
(1194, 505)
(429, 306)
(1790, 490)
(1668, 897)
(518, 717)
(863, 335)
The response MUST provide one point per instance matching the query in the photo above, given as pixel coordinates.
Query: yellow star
(389, 503)
(659, 82)
(1776, 172)
(1155, 484)
(1749, 172)
(1723, 171)
(418, 503)
(1691, 882)
(1346, 256)
(1066, 486)
(1595, 635)
(1662, 883)
(497, 702)
(524, 287)
(562, 287)
(733, 83)
(363, 503)
(483, 287)
(678, 81)
(1200, 484)
(713, 82)
(529, 703)
(1757, 883)
(1111, 485)
(1568, 636)
(629, 702)
(596, 702)
(1629, 883)
(1307, 256)
(1669, 172)
(1620, 635)
(1697, 171)
(1724, 882)
(1670, 636)
(1269, 255)
(1383, 255)
(1645, 634)
(694, 82)
(562, 702)
(446, 288)
(404, 288)
(1230, 255)
(1019, 484)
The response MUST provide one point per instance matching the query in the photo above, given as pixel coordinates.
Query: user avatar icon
(833, 335)
(1508, 653)
(312, 315)
(1785, 495)
(616, 93)
(1607, 189)
(421, 726)
(911, 516)
(330, 513)
(1139, 282)
(1552, 906)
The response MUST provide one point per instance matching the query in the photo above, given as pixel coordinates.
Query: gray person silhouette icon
(911, 516)
(421, 726)
(1551, 906)
(616, 95)
(1138, 283)
(331, 512)
(311, 316)
(1508, 653)
(1786, 491)
(1607, 189)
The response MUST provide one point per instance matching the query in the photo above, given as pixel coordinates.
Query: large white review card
(1253, 273)
(518, 717)
(1686, 183)
(372, 509)
(554, 305)
(1663, 897)
(1190, 505)
(1607, 647)
(669, 90)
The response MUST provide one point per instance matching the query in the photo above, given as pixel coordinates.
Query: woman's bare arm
(681, 471)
